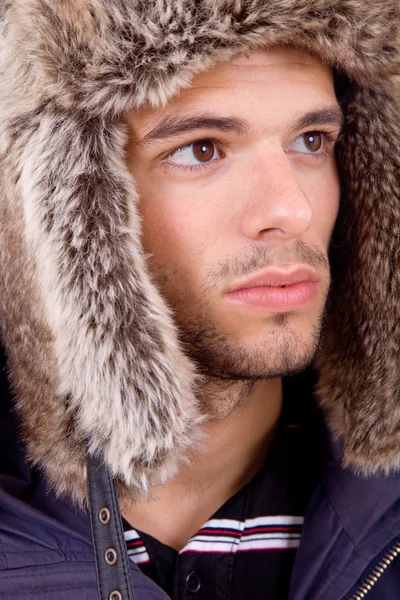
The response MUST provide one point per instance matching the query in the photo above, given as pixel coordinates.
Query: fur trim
(93, 350)
(359, 365)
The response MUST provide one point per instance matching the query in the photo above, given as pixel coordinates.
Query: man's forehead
(267, 60)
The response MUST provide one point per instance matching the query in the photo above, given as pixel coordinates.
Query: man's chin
(255, 363)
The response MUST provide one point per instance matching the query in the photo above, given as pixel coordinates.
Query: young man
(182, 184)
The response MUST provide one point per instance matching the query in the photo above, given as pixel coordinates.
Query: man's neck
(239, 432)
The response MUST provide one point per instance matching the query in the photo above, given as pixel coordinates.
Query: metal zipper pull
(373, 577)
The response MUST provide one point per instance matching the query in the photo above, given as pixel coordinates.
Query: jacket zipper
(373, 577)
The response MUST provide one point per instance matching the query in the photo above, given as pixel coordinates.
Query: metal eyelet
(104, 515)
(115, 595)
(111, 556)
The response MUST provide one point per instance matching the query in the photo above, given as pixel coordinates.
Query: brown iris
(313, 141)
(203, 150)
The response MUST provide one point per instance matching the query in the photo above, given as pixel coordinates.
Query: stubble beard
(228, 366)
(223, 356)
(231, 370)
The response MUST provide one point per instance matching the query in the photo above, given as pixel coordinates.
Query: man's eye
(312, 142)
(200, 152)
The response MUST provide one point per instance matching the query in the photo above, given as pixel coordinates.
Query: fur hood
(94, 355)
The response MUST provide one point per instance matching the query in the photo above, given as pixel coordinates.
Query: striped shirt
(247, 549)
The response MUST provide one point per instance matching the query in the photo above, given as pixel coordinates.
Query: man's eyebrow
(324, 116)
(174, 125)
(171, 126)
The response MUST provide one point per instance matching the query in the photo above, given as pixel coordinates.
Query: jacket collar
(349, 521)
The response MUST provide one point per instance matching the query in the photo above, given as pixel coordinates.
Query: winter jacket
(92, 348)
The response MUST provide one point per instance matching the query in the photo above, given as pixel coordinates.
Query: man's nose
(275, 205)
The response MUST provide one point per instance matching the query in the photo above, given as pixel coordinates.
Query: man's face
(239, 194)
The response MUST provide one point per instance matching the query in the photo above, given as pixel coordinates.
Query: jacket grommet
(111, 556)
(104, 515)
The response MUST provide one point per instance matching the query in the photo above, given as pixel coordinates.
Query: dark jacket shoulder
(46, 549)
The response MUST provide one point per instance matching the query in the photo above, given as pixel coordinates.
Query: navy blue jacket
(46, 551)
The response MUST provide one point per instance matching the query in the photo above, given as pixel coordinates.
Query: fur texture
(93, 351)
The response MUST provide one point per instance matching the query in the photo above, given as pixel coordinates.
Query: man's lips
(276, 278)
(276, 290)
